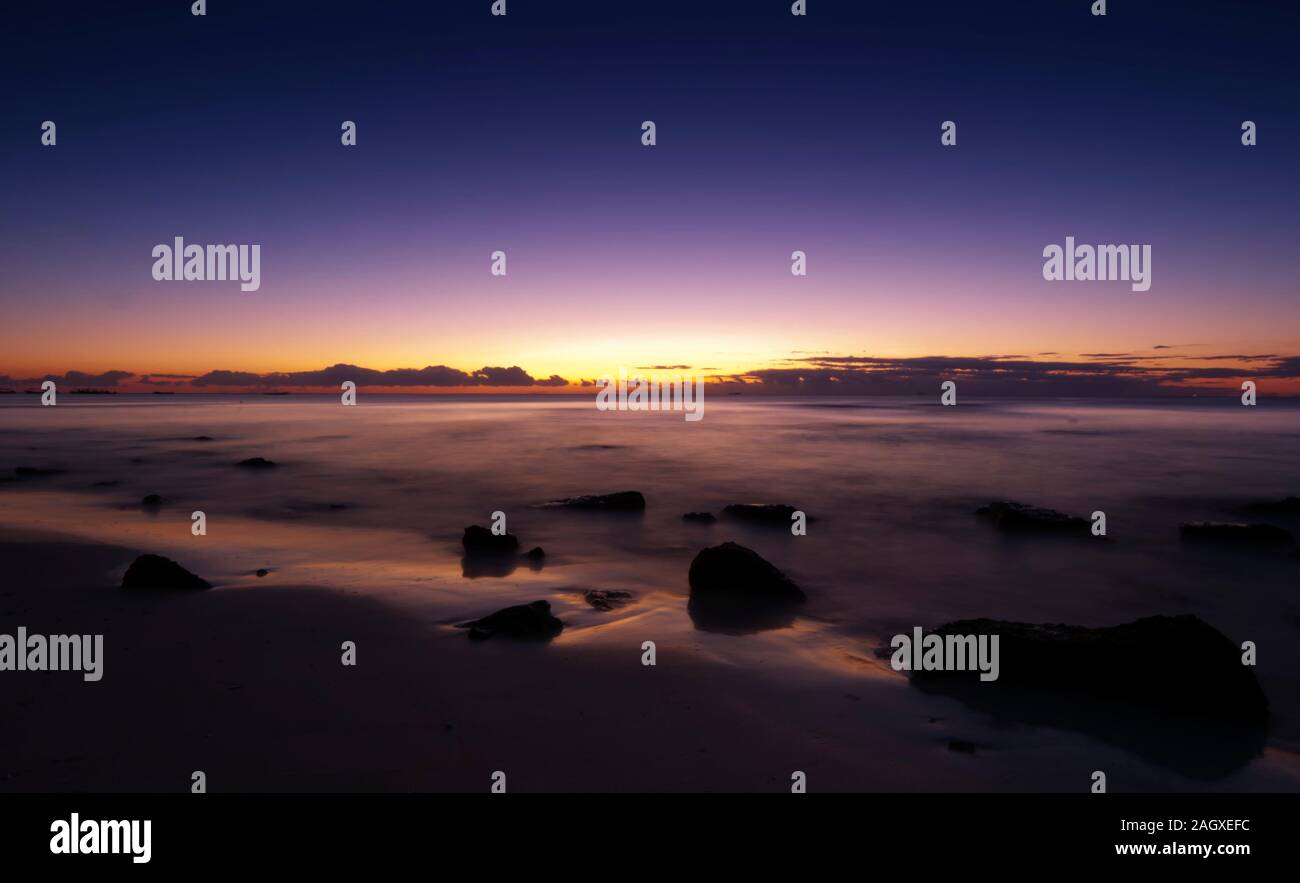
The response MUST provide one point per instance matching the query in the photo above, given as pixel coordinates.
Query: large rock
(1171, 663)
(525, 622)
(481, 541)
(731, 569)
(1022, 518)
(157, 572)
(622, 501)
(1234, 534)
(769, 514)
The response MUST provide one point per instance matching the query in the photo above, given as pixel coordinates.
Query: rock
(605, 599)
(202, 438)
(622, 501)
(256, 463)
(525, 622)
(1020, 518)
(262, 571)
(1286, 506)
(152, 501)
(1234, 534)
(157, 572)
(731, 569)
(962, 746)
(35, 472)
(1174, 664)
(700, 517)
(536, 553)
(481, 541)
(771, 514)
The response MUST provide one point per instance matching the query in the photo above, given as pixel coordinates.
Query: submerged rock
(700, 517)
(732, 569)
(1175, 664)
(256, 463)
(157, 572)
(1235, 534)
(772, 514)
(606, 599)
(622, 501)
(481, 541)
(1022, 518)
(527, 622)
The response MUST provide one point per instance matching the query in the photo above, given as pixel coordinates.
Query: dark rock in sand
(731, 569)
(525, 622)
(1287, 506)
(1021, 518)
(157, 572)
(1235, 534)
(481, 541)
(770, 514)
(606, 599)
(152, 501)
(700, 517)
(622, 501)
(1175, 664)
(256, 463)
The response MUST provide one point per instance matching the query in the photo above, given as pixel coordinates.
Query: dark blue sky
(775, 132)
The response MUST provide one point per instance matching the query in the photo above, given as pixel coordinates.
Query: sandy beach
(244, 681)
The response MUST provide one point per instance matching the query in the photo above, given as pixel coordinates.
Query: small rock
(256, 463)
(700, 517)
(262, 571)
(527, 622)
(152, 501)
(1021, 518)
(771, 514)
(536, 553)
(622, 501)
(606, 599)
(481, 541)
(1287, 506)
(157, 572)
(1234, 534)
(733, 569)
(35, 472)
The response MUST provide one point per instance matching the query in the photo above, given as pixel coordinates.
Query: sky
(775, 133)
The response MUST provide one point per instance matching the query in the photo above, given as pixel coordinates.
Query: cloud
(333, 377)
(1103, 375)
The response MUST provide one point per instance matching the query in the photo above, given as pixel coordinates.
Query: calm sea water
(374, 499)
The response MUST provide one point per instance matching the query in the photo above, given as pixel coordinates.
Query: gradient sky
(522, 133)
